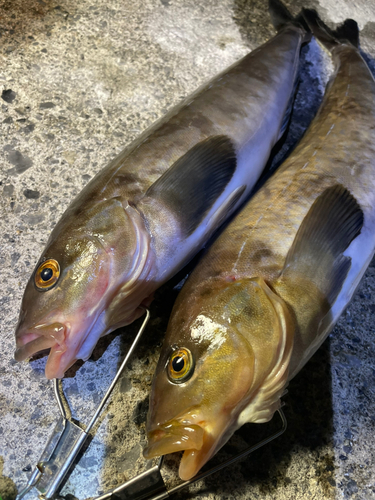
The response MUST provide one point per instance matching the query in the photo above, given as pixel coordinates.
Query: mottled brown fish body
(153, 207)
(339, 148)
(266, 294)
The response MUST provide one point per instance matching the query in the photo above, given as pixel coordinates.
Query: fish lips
(193, 439)
(64, 339)
(40, 337)
(173, 438)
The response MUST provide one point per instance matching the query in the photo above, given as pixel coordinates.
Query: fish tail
(347, 32)
(281, 17)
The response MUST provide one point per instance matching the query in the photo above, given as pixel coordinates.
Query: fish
(145, 215)
(266, 294)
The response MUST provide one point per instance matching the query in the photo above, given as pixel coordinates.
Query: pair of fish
(270, 289)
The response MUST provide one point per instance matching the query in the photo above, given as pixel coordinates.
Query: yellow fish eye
(180, 366)
(47, 274)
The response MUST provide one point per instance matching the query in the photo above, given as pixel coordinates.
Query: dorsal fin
(331, 224)
(195, 181)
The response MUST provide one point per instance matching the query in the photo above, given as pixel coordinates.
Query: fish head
(74, 283)
(210, 369)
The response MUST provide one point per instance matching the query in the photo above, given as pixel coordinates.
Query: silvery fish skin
(154, 206)
(269, 290)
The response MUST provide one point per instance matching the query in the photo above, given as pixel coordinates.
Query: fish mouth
(193, 439)
(39, 338)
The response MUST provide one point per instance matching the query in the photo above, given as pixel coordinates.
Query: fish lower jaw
(54, 367)
(193, 460)
(190, 464)
(53, 336)
(195, 441)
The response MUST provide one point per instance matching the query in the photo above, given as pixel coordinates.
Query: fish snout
(173, 437)
(197, 443)
(30, 341)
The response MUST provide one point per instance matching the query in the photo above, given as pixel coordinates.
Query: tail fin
(280, 17)
(346, 33)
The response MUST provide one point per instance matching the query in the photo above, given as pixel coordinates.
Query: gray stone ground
(81, 80)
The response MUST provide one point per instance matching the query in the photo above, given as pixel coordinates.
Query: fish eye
(47, 275)
(180, 366)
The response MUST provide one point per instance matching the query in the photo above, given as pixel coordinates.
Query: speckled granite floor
(79, 80)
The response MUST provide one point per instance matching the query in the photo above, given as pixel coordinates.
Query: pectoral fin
(331, 224)
(192, 185)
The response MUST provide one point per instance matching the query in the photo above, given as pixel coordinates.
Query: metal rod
(124, 490)
(105, 496)
(30, 484)
(65, 467)
(58, 397)
(119, 372)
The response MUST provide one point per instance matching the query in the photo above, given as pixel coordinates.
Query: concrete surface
(79, 80)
